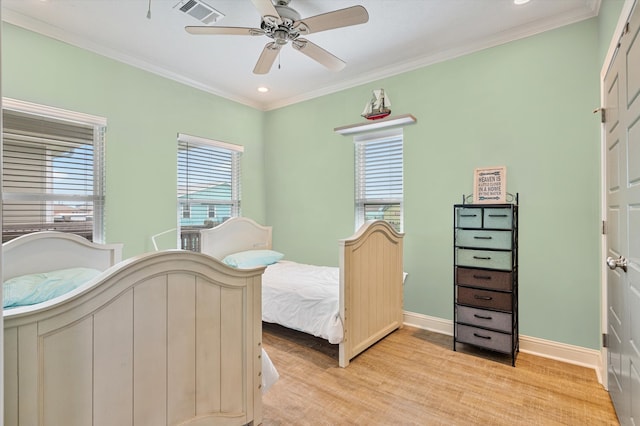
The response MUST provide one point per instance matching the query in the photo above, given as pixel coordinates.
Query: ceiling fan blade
(337, 19)
(267, 58)
(318, 54)
(266, 8)
(198, 30)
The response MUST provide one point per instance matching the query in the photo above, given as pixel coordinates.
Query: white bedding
(304, 298)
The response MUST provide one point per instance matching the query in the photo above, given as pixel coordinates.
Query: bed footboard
(168, 338)
(371, 277)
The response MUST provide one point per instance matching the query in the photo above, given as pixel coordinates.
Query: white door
(622, 181)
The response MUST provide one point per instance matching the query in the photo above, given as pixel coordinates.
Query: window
(208, 185)
(186, 211)
(212, 211)
(53, 171)
(379, 176)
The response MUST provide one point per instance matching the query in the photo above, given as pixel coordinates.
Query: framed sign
(490, 185)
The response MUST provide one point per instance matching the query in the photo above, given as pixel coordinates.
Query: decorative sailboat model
(378, 107)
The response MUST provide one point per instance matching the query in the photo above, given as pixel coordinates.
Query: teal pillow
(38, 288)
(252, 258)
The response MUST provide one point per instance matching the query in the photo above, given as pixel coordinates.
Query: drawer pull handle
(482, 257)
(498, 215)
(482, 277)
(477, 296)
(481, 238)
(468, 215)
(482, 317)
(481, 336)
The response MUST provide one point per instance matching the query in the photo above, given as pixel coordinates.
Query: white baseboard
(426, 322)
(571, 354)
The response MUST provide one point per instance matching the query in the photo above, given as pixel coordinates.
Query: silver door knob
(620, 262)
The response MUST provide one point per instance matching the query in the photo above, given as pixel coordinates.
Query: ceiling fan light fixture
(282, 24)
(263, 89)
(520, 2)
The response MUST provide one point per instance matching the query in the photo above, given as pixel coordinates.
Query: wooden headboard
(234, 235)
(50, 250)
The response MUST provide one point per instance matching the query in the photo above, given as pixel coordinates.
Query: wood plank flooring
(413, 377)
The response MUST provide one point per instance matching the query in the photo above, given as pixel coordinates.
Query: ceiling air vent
(199, 10)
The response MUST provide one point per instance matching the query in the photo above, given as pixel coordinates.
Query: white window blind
(208, 185)
(379, 178)
(53, 171)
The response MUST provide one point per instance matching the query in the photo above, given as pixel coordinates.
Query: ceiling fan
(283, 24)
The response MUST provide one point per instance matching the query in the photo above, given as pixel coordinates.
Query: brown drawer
(494, 280)
(484, 298)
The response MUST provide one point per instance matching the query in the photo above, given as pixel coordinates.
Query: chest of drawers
(485, 242)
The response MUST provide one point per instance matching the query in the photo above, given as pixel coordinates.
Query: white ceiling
(401, 35)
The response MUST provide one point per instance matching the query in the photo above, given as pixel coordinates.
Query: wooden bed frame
(165, 338)
(371, 276)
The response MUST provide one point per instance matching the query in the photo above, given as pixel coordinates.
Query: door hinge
(605, 340)
(603, 116)
(604, 227)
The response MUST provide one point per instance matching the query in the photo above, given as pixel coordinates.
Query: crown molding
(504, 37)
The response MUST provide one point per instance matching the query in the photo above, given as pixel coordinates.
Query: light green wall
(144, 114)
(527, 105)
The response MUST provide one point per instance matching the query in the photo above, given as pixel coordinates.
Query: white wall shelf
(383, 123)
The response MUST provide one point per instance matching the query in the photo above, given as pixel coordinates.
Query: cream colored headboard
(50, 250)
(234, 235)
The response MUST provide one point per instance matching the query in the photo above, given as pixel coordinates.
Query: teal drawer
(483, 239)
(468, 217)
(484, 259)
(498, 218)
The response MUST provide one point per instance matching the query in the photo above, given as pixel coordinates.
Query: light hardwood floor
(413, 377)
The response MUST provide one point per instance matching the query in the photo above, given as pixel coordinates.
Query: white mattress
(304, 298)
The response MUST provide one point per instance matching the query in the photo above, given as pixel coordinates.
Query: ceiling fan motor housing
(288, 15)
(284, 31)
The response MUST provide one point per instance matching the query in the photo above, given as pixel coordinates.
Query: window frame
(96, 198)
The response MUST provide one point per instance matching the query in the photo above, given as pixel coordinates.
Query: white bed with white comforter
(353, 305)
